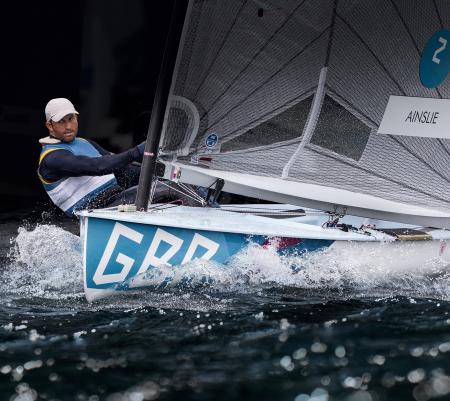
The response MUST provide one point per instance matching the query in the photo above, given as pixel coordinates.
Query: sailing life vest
(74, 193)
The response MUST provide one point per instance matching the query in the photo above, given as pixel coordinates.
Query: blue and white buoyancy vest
(74, 193)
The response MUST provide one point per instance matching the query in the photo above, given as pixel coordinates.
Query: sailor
(78, 173)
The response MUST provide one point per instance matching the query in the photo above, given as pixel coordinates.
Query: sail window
(340, 131)
(177, 129)
(285, 126)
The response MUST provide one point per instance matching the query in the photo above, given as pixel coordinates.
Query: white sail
(290, 95)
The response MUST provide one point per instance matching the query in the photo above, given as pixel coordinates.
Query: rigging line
(308, 45)
(405, 25)
(273, 111)
(181, 192)
(373, 54)
(220, 48)
(163, 206)
(438, 14)
(188, 190)
(252, 59)
(401, 184)
(191, 192)
(153, 189)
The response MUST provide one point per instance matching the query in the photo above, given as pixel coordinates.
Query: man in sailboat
(78, 173)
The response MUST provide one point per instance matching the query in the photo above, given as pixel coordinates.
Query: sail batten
(249, 71)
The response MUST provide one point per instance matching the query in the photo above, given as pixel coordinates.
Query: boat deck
(246, 219)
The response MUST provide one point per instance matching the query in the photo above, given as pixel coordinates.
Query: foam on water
(47, 262)
(44, 262)
(343, 269)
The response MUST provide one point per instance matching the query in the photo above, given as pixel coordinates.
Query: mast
(159, 104)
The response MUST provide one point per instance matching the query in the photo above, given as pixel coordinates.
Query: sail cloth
(295, 90)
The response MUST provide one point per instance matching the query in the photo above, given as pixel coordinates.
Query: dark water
(336, 330)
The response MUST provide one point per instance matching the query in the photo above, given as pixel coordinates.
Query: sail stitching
(300, 97)
(357, 166)
(397, 140)
(400, 89)
(373, 54)
(441, 142)
(438, 14)
(269, 78)
(351, 106)
(253, 58)
(330, 38)
(220, 48)
(405, 25)
(419, 158)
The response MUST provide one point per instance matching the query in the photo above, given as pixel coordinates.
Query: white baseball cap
(58, 108)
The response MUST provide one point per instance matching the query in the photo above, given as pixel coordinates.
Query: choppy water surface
(336, 330)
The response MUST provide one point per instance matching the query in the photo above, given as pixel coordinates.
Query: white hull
(120, 246)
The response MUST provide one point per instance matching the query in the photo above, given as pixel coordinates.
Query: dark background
(104, 55)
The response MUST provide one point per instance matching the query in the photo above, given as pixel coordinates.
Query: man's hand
(141, 148)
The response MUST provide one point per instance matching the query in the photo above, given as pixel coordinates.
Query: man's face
(65, 129)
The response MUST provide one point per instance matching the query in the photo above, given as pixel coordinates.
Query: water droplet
(300, 353)
(286, 363)
(340, 351)
(318, 347)
(415, 376)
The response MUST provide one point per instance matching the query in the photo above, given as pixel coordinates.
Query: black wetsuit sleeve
(62, 163)
(100, 150)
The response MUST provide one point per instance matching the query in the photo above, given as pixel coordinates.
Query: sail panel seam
(308, 45)
(420, 158)
(358, 36)
(252, 59)
(405, 25)
(220, 48)
(378, 175)
(438, 14)
(297, 99)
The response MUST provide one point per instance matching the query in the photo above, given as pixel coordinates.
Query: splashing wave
(44, 262)
(47, 262)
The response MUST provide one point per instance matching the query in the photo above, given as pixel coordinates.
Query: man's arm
(100, 149)
(62, 163)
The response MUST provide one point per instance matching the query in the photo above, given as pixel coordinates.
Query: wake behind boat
(299, 103)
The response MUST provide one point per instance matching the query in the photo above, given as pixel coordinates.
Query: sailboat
(334, 110)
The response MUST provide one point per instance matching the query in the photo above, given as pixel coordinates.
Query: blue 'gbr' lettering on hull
(118, 251)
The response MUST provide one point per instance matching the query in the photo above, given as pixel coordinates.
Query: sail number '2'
(435, 61)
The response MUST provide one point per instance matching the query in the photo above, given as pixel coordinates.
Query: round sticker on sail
(212, 140)
(435, 61)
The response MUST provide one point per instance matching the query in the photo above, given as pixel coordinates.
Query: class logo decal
(212, 140)
(435, 60)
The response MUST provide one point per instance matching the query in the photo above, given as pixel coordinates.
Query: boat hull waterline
(119, 251)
